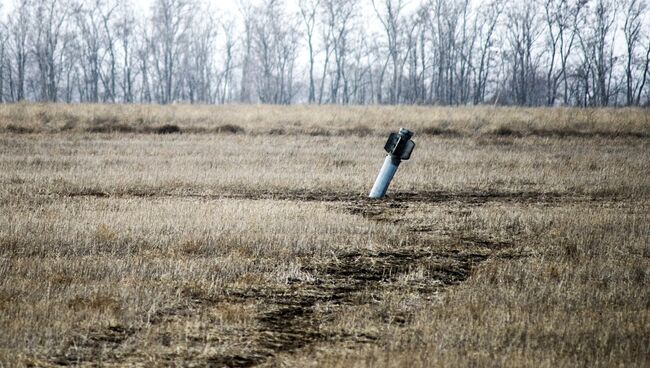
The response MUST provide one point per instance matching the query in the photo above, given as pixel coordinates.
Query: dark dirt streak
(294, 320)
(467, 197)
(90, 347)
(293, 314)
(431, 196)
(113, 127)
(85, 348)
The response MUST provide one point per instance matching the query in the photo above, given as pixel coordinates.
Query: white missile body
(399, 147)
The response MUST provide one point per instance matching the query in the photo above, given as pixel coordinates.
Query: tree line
(441, 52)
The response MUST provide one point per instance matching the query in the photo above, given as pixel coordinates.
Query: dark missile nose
(405, 133)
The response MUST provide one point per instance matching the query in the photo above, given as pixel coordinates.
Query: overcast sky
(231, 8)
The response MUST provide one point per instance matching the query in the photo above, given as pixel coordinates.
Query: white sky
(230, 9)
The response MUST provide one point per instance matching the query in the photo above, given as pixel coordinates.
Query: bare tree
(144, 50)
(275, 51)
(49, 18)
(598, 54)
(246, 81)
(308, 12)
(416, 60)
(327, 34)
(228, 63)
(88, 21)
(360, 71)
(125, 30)
(19, 27)
(574, 21)
(634, 12)
(198, 69)
(339, 17)
(487, 19)
(109, 77)
(390, 18)
(522, 32)
(645, 71)
(4, 37)
(561, 17)
(171, 23)
(466, 47)
(446, 37)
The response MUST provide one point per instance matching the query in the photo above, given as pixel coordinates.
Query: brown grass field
(513, 237)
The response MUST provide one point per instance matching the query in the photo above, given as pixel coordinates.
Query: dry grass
(513, 237)
(325, 120)
(79, 263)
(573, 291)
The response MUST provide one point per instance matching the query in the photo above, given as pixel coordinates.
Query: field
(513, 237)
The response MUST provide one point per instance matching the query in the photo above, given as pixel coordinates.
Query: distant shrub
(359, 131)
(438, 131)
(69, 125)
(111, 128)
(431, 131)
(70, 121)
(16, 129)
(102, 120)
(108, 124)
(229, 128)
(319, 132)
(342, 163)
(569, 132)
(168, 129)
(43, 117)
(504, 131)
